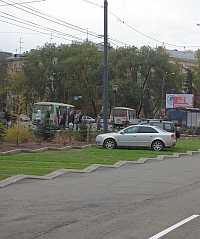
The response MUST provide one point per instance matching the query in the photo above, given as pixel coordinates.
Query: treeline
(59, 73)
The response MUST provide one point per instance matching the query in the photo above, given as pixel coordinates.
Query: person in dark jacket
(47, 116)
(71, 118)
(7, 117)
(63, 120)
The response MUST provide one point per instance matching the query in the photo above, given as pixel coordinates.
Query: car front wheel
(109, 144)
(157, 145)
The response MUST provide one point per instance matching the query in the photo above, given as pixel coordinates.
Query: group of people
(72, 120)
(9, 117)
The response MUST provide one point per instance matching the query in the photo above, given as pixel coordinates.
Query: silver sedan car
(88, 119)
(138, 136)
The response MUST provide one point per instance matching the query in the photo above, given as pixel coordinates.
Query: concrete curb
(89, 169)
(17, 151)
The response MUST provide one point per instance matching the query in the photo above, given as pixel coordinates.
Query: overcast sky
(130, 22)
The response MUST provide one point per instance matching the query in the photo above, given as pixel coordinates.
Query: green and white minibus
(56, 110)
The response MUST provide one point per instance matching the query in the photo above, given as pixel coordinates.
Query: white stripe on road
(159, 235)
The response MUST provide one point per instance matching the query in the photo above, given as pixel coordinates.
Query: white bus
(119, 115)
(55, 109)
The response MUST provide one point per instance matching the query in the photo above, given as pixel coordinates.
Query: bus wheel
(109, 144)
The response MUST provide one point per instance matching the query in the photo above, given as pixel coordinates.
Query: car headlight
(98, 137)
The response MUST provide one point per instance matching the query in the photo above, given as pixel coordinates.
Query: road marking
(159, 235)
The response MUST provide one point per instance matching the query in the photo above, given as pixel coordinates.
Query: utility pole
(162, 92)
(87, 36)
(105, 105)
(50, 38)
(20, 43)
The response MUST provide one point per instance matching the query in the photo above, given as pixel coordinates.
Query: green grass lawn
(46, 162)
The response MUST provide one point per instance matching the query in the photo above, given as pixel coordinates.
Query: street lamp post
(105, 103)
(162, 92)
(114, 89)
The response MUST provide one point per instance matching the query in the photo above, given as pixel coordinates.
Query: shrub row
(45, 131)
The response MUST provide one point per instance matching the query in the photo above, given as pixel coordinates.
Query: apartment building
(184, 59)
(14, 62)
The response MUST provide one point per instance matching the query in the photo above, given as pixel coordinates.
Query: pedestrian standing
(38, 117)
(47, 116)
(7, 117)
(76, 120)
(80, 118)
(71, 119)
(126, 121)
(98, 122)
(63, 120)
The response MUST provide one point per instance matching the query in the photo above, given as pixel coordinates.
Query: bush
(183, 130)
(69, 135)
(84, 131)
(190, 131)
(21, 133)
(45, 130)
(2, 131)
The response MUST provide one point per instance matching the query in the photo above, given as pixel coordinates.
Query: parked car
(138, 136)
(102, 120)
(88, 119)
(163, 124)
(24, 118)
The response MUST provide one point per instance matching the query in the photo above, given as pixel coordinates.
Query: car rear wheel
(109, 144)
(157, 145)
(178, 132)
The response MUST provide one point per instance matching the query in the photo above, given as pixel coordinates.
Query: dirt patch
(32, 145)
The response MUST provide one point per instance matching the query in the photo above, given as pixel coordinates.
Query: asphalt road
(135, 201)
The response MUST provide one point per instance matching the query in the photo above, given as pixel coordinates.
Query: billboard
(179, 100)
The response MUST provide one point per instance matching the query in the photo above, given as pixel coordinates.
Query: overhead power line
(154, 38)
(12, 4)
(35, 12)
(35, 25)
(40, 32)
(55, 20)
(40, 14)
(31, 10)
(145, 35)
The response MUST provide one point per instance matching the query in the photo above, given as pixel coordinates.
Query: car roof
(150, 126)
(157, 121)
(146, 125)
